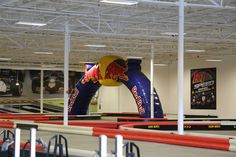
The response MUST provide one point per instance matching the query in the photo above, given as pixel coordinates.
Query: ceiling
(210, 25)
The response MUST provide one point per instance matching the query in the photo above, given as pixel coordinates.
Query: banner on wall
(203, 88)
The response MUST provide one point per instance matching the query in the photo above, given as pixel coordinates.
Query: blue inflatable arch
(137, 83)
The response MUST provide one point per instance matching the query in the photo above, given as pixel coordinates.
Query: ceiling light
(49, 66)
(30, 23)
(213, 60)
(161, 65)
(88, 62)
(196, 50)
(122, 2)
(43, 53)
(95, 45)
(134, 57)
(5, 59)
(171, 33)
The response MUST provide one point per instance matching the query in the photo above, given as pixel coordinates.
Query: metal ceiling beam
(187, 4)
(86, 25)
(214, 2)
(14, 41)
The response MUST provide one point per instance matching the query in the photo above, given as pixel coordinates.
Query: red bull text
(72, 99)
(138, 100)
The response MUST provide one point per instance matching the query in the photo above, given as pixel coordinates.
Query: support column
(103, 146)
(41, 91)
(119, 146)
(17, 143)
(32, 142)
(151, 83)
(66, 71)
(181, 69)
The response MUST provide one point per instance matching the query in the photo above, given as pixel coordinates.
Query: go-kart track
(82, 133)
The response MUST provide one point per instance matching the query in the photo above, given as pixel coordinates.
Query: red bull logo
(93, 74)
(116, 72)
(113, 71)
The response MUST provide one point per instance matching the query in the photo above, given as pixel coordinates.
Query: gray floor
(147, 149)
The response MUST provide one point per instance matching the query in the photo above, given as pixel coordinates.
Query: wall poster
(203, 88)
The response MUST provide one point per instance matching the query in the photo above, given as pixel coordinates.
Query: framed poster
(203, 88)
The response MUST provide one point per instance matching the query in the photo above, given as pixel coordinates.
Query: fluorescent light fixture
(213, 60)
(30, 23)
(5, 59)
(161, 65)
(171, 33)
(121, 2)
(88, 62)
(196, 50)
(43, 53)
(48, 66)
(134, 57)
(95, 45)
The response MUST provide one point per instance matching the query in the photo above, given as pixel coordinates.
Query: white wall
(108, 99)
(226, 88)
(165, 82)
(116, 99)
(161, 81)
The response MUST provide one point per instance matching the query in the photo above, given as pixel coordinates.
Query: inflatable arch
(113, 71)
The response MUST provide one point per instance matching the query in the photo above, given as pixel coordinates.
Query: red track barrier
(39, 148)
(6, 124)
(184, 140)
(111, 125)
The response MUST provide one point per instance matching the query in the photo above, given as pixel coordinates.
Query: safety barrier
(220, 143)
(60, 147)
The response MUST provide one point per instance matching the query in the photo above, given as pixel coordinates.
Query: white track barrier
(232, 146)
(32, 142)
(79, 130)
(103, 146)
(119, 146)
(17, 143)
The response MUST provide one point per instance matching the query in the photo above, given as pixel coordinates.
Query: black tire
(35, 86)
(17, 90)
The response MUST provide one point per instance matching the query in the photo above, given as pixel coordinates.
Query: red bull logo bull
(116, 72)
(93, 74)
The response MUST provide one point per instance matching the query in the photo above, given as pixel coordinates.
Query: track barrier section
(60, 147)
(138, 119)
(184, 140)
(41, 117)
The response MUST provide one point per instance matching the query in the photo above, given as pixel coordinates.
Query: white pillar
(151, 83)
(32, 142)
(41, 91)
(66, 71)
(181, 69)
(17, 143)
(119, 146)
(103, 146)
